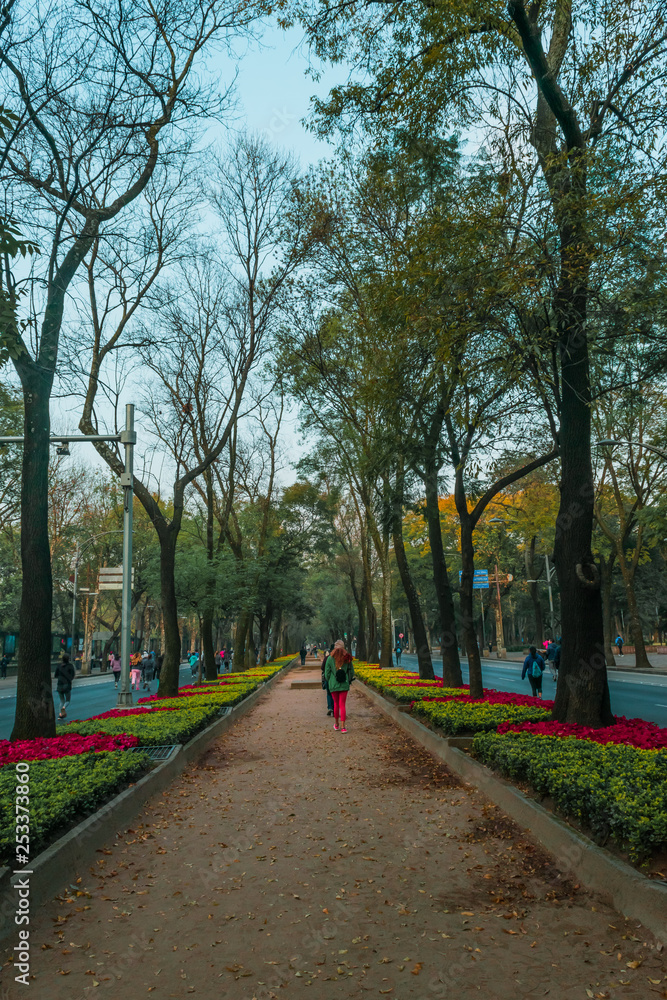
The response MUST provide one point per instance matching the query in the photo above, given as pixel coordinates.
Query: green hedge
(459, 717)
(154, 728)
(617, 791)
(61, 791)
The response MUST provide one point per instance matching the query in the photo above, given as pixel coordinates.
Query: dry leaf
(634, 964)
(417, 969)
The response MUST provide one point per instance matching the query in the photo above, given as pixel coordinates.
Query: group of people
(143, 667)
(337, 676)
(535, 664)
(222, 659)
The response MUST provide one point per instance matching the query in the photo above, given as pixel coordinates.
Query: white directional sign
(111, 578)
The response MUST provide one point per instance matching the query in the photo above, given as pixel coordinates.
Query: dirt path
(296, 861)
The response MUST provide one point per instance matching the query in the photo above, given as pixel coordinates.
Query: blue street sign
(480, 579)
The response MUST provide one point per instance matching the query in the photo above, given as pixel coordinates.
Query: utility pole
(128, 439)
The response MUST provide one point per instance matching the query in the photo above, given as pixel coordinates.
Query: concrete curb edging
(77, 848)
(631, 893)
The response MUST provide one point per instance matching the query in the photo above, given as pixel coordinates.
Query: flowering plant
(66, 745)
(632, 732)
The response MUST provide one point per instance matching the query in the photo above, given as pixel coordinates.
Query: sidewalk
(296, 861)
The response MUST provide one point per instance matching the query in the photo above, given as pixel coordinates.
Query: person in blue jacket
(533, 665)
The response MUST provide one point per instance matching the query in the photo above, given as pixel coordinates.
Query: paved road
(635, 697)
(89, 697)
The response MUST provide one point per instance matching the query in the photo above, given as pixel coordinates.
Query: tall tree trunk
(424, 660)
(172, 638)
(532, 574)
(209, 600)
(275, 635)
(238, 660)
(606, 582)
(636, 629)
(449, 648)
(250, 659)
(467, 609)
(372, 646)
(35, 714)
(582, 695)
(386, 657)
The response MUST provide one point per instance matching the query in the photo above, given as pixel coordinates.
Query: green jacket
(330, 675)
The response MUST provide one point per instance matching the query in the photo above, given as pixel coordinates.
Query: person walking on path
(302, 654)
(4, 662)
(533, 665)
(194, 663)
(135, 671)
(148, 670)
(325, 685)
(64, 675)
(619, 644)
(339, 674)
(115, 666)
(551, 658)
(398, 652)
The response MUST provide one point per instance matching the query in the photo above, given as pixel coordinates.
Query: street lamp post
(501, 652)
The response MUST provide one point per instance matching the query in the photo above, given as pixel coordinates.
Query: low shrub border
(62, 790)
(628, 890)
(612, 781)
(616, 790)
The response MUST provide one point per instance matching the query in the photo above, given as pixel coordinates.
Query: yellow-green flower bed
(61, 792)
(412, 692)
(381, 679)
(155, 728)
(476, 716)
(219, 696)
(615, 790)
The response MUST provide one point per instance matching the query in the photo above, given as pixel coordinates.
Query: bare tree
(97, 88)
(214, 324)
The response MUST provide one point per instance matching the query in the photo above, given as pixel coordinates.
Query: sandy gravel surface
(294, 861)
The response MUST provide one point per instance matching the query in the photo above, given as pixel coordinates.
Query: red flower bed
(633, 732)
(117, 713)
(499, 698)
(50, 747)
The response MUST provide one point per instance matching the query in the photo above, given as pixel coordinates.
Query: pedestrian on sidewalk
(148, 669)
(339, 674)
(302, 654)
(325, 684)
(135, 671)
(398, 652)
(551, 658)
(533, 665)
(64, 675)
(115, 666)
(194, 662)
(619, 644)
(4, 662)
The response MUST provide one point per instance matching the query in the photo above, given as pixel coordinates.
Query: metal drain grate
(155, 753)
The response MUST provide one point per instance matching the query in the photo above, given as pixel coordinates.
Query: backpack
(341, 675)
(535, 669)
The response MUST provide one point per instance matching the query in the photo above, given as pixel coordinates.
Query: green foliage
(617, 791)
(62, 791)
(458, 717)
(154, 729)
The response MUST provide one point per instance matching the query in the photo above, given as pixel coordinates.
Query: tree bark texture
(424, 660)
(35, 714)
(449, 646)
(606, 582)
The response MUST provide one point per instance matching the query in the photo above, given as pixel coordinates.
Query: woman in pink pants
(339, 674)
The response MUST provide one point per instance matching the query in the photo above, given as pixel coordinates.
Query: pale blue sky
(274, 92)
